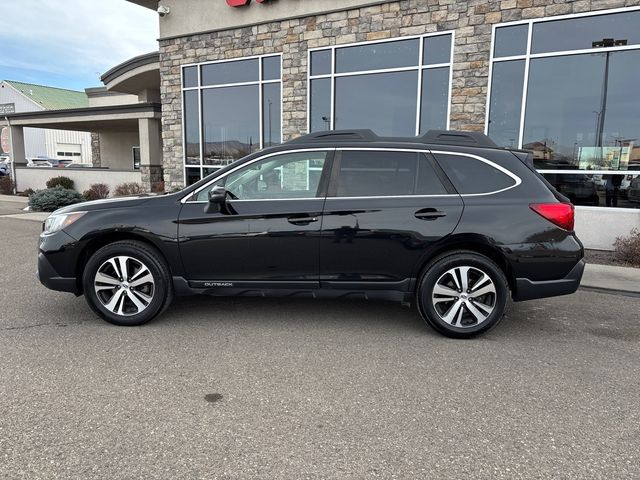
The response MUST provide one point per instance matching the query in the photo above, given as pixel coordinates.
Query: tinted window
(581, 33)
(372, 174)
(321, 62)
(470, 175)
(437, 50)
(291, 175)
(191, 128)
(435, 99)
(403, 53)
(190, 77)
(230, 122)
(511, 41)
(271, 68)
(384, 102)
(271, 114)
(506, 102)
(320, 105)
(230, 72)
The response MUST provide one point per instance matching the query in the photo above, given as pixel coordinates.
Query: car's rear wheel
(127, 283)
(462, 294)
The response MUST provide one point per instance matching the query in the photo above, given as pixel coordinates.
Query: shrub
(627, 249)
(96, 191)
(6, 185)
(64, 182)
(26, 193)
(53, 198)
(128, 189)
(158, 187)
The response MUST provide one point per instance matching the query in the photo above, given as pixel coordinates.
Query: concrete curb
(611, 278)
(14, 198)
(33, 216)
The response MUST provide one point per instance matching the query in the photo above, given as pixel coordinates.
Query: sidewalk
(14, 199)
(12, 207)
(610, 278)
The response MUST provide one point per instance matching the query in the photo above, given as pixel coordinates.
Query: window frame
(528, 56)
(429, 154)
(199, 88)
(326, 172)
(419, 67)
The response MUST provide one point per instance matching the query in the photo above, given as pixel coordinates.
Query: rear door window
(365, 173)
(473, 176)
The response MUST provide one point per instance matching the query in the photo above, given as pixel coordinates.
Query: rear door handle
(429, 214)
(302, 220)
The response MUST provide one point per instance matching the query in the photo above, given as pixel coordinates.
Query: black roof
(433, 137)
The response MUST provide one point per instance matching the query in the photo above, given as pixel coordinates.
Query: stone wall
(95, 150)
(472, 21)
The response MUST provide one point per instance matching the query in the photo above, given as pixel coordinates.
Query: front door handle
(429, 214)
(302, 220)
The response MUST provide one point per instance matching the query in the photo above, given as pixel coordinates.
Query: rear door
(383, 210)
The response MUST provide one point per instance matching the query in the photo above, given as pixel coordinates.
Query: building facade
(556, 78)
(19, 97)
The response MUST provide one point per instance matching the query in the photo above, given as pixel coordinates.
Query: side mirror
(217, 198)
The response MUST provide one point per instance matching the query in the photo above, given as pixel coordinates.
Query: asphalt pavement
(296, 389)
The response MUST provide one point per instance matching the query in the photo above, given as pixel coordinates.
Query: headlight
(55, 223)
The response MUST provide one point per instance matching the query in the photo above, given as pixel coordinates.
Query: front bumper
(530, 290)
(52, 280)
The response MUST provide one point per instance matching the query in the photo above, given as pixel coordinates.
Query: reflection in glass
(608, 190)
(320, 111)
(374, 56)
(291, 175)
(437, 50)
(191, 128)
(383, 102)
(321, 62)
(190, 77)
(510, 41)
(230, 72)
(231, 123)
(580, 33)
(506, 102)
(193, 175)
(271, 68)
(271, 122)
(435, 99)
(563, 110)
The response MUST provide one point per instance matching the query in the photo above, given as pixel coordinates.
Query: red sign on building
(242, 3)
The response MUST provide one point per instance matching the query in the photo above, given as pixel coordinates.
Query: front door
(267, 234)
(385, 208)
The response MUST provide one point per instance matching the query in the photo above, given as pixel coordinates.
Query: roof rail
(337, 135)
(437, 137)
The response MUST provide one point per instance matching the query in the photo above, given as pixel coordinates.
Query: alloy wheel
(464, 297)
(124, 285)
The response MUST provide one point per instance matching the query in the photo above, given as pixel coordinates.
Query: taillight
(561, 214)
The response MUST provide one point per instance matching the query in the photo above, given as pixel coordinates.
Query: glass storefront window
(581, 32)
(511, 41)
(579, 81)
(366, 101)
(410, 95)
(236, 111)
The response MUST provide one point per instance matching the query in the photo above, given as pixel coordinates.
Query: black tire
(433, 307)
(138, 252)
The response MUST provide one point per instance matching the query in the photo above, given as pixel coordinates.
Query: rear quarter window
(470, 175)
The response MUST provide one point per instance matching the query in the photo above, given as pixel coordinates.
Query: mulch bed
(603, 257)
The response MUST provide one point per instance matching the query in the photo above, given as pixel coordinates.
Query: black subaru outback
(447, 221)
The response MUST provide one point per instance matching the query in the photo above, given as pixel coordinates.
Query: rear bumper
(529, 290)
(52, 280)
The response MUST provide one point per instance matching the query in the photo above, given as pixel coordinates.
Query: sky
(70, 43)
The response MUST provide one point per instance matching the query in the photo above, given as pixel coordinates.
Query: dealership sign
(4, 140)
(7, 108)
(242, 3)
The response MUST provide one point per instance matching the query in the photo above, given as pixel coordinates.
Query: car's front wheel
(127, 283)
(462, 294)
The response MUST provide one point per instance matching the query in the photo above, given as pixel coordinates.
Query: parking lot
(295, 389)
